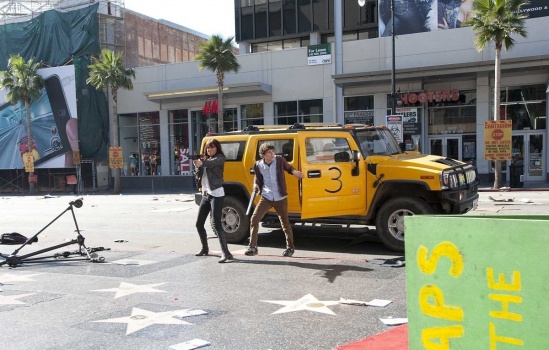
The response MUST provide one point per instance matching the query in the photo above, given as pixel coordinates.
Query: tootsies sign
(437, 96)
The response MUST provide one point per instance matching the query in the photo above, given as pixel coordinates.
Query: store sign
(430, 96)
(319, 54)
(497, 139)
(395, 125)
(359, 117)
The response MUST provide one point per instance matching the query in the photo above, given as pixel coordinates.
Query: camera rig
(14, 259)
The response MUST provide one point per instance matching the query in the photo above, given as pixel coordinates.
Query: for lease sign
(497, 139)
(319, 54)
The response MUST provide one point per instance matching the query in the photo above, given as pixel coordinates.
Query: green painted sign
(477, 282)
(319, 54)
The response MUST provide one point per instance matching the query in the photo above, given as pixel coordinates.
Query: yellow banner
(497, 139)
(76, 157)
(115, 158)
(28, 160)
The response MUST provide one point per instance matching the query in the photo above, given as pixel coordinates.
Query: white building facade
(445, 92)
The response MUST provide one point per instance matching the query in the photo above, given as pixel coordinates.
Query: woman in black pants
(212, 165)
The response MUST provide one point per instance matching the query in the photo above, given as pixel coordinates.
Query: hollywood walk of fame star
(12, 299)
(138, 262)
(129, 288)
(8, 277)
(140, 318)
(308, 302)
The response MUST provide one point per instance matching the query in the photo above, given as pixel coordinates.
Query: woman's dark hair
(216, 144)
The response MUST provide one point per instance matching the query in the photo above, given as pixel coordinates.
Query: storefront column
(484, 113)
(166, 153)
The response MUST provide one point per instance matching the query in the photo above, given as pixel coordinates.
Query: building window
(140, 142)
(179, 142)
(230, 119)
(129, 141)
(291, 112)
(252, 114)
(149, 138)
(525, 106)
(451, 116)
(359, 110)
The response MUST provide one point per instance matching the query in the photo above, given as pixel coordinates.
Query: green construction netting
(59, 38)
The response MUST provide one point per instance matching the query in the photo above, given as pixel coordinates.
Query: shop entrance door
(445, 146)
(528, 150)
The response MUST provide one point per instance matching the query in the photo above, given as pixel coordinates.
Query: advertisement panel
(416, 16)
(53, 124)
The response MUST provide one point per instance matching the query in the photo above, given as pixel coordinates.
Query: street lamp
(361, 3)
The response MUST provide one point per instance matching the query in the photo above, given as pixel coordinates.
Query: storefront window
(452, 120)
(179, 142)
(149, 138)
(307, 111)
(252, 114)
(129, 141)
(359, 110)
(230, 119)
(525, 106)
(140, 142)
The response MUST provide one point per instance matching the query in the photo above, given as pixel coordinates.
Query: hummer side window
(327, 150)
(284, 148)
(233, 150)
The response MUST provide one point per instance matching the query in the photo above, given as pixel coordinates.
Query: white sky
(205, 16)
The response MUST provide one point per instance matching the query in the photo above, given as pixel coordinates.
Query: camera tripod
(13, 259)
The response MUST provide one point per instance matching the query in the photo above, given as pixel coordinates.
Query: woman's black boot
(204, 241)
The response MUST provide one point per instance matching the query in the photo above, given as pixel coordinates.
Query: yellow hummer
(354, 175)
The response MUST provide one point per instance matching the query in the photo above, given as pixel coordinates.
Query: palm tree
(24, 84)
(497, 21)
(217, 55)
(109, 72)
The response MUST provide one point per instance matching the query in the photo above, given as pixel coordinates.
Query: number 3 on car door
(329, 188)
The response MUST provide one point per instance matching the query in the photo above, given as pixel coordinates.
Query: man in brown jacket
(270, 183)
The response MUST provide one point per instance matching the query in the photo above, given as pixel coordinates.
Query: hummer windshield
(377, 141)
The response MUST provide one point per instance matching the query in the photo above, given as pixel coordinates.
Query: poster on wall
(416, 16)
(497, 139)
(53, 124)
(395, 125)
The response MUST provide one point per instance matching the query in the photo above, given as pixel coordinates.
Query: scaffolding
(110, 16)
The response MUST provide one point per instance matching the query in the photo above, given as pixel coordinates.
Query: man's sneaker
(288, 252)
(251, 251)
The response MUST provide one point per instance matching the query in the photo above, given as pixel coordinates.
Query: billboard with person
(53, 123)
(416, 16)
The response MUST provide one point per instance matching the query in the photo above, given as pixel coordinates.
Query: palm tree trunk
(497, 91)
(29, 141)
(115, 140)
(219, 100)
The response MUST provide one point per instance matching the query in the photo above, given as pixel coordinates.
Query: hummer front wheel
(390, 219)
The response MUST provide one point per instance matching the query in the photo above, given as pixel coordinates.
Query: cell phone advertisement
(54, 126)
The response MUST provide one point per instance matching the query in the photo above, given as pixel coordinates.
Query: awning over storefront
(440, 72)
(229, 91)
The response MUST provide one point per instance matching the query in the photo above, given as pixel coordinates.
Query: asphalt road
(151, 292)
